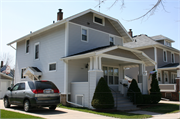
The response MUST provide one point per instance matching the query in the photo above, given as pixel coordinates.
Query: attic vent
(98, 19)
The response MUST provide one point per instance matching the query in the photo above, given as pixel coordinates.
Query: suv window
(31, 85)
(45, 85)
(21, 86)
(15, 87)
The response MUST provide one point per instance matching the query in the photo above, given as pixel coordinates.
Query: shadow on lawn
(161, 108)
(43, 111)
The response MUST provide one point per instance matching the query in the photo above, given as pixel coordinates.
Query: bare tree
(6, 58)
(150, 12)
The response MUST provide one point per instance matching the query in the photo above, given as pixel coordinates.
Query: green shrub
(146, 99)
(134, 93)
(155, 90)
(103, 98)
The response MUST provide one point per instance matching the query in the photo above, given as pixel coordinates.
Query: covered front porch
(84, 71)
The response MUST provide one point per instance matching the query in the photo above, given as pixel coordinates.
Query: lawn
(10, 114)
(163, 108)
(118, 114)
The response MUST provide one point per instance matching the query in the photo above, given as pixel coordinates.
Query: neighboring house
(159, 48)
(5, 80)
(76, 52)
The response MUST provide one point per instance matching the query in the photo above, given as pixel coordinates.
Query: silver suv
(33, 94)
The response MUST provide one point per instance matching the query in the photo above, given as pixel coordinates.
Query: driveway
(59, 113)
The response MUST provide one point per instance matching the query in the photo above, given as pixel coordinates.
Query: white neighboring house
(76, 52)
(5, 81)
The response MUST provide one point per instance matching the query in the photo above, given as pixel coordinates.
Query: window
(111, 75)
(159, 77)
(111, 40)
(15, 87)
(166, 77)
(37, 51)
(21, 86)
(52, 67)
(172, 58)
(27, 46)
(165, 56)
(173, 77)
(167, 43)
(98, 20)
(84, 35)
(22, 71)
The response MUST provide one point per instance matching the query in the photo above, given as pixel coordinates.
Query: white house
(76, 52)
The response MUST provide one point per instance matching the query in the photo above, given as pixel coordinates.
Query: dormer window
(167, 43)
(98, 19)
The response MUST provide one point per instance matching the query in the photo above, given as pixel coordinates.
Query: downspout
(66, 62)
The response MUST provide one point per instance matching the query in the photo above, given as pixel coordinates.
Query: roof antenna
(99, 5)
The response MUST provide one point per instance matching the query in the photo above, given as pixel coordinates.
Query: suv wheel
(6, 103)
(52, 107)
(26, 105)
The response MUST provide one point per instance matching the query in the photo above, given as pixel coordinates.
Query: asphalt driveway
(59, 113)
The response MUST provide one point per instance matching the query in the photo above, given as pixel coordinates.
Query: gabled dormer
(163, 40)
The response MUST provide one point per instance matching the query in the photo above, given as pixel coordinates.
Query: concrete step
(125, 104)
(124, 101)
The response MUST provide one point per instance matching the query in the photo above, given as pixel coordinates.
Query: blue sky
(19, 17)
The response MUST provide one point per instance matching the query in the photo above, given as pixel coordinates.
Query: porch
(85, 70)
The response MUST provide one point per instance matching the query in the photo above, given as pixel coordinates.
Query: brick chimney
(1, 64)
(60, 15)
(130, 32)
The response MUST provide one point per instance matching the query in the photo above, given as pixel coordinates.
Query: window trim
(101, 17)
(23, 72)
(35, 50)
(173, 57)
(163, 55)
(49, 67)
(113, 38)
(26, 45)
(85, 28)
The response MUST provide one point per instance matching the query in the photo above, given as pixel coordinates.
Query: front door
(166, 77)
(173, 77)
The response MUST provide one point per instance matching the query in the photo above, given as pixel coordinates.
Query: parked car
(31, 94)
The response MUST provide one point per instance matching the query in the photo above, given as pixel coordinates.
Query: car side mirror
(9, 88)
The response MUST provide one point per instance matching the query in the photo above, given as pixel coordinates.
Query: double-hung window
(111, 40)
(84, 35)
(165, 56)
(172, 58)
(111, 75)
(36, 51)
(22, 71)
(27, 46)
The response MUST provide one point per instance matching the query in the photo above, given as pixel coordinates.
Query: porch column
(100, 65)
(93, 77)
(178, 72)
(91, 64)
(142, 79)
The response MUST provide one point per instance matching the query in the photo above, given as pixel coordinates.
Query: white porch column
(100, 65)
(93, 77)
(91, 64)
(142, 78)
(178, 72)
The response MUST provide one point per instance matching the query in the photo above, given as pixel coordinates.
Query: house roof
(100, 50)
(161, 37)
(143, 41)
(170, 65)
(116, 23)
(11, 74)
(8, 77)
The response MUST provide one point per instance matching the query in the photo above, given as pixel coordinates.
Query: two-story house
(76, 52)
(159, 48)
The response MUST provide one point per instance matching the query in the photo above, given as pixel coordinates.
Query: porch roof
(33, 71)
(170, 66)
(101, 50)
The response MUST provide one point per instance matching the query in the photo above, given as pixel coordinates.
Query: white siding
(51, 49)
(80, 88)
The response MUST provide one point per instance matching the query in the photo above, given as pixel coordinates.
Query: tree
(150, 12)
(103, 98)
(155, 90)
(6, 58)
(134, 93)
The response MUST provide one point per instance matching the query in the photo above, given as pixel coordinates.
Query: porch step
(129, 108)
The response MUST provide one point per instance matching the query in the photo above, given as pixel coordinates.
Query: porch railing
(167, 87)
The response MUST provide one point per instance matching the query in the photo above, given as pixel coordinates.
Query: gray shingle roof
(161, 37)
(141, 40)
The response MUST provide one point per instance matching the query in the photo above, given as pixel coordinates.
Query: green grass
(164, 108)
(118, 114)
(10, 114)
